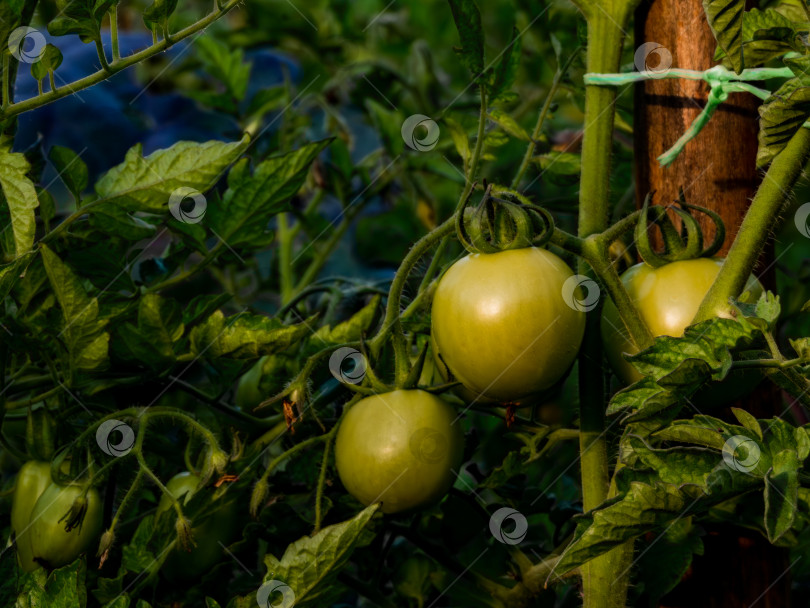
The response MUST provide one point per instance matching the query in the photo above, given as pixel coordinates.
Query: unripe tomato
(399, 448)
(216, 529)
(501, 323)
(64, 523)
(667, 299)
(33, 478)
(248, 393)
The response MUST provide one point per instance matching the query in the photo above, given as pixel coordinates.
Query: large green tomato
(667, 299)
(216, 529)
(400, 448)
(58, 538)
(501, 323)
(33, 478)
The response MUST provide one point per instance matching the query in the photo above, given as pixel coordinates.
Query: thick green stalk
(756, 226)
(600, 587)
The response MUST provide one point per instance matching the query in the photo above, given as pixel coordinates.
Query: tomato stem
(12, 109)
(392, 323)
(756, 226)
(601, 588)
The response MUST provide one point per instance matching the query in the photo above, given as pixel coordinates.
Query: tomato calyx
(504, 219)
(677, 246)
(74, 518)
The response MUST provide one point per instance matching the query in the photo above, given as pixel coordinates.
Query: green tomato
(501, 323)
(399, 448)
(33, 478)
(64, 523)
(667, 299)
(217, 530)
(248, 393)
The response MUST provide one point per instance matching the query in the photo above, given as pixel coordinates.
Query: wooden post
(717, 170)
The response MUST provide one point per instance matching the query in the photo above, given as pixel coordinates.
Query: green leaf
(81, 17)
(158, 13)
(135, 556)
(245, 336)
(228, 66)
(470, 33)
(49, 59)
(202, 306)
(642, 509)
(117, 222)
(146, 183)
(310, 565)
(349, 330)
(726, 21)
(781, 494)
(700, 430)
(748, 421)
(83, 331)
(663, 561)
(13, 272)
(251, 200)
(62, 588)
(677, 466)
(20, 197)
(71, 168)
(559, 163)
(159, 327)
(767, 34)
(781, 116)
(503, 76)
(510, 125)
(460, 139)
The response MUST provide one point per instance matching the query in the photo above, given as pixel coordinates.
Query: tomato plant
(362, 276)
